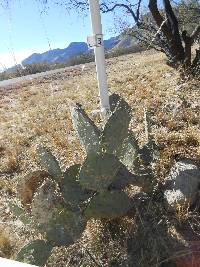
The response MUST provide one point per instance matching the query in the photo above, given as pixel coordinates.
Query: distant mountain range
(77, 48)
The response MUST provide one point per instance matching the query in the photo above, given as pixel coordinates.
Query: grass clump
(6, 247)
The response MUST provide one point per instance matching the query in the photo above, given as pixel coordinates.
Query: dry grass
(6, 248)
(37, 112)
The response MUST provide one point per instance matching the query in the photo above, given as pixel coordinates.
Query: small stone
(183, 182)
(174, 197)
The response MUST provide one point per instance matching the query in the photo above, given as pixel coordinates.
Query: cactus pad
(128, 154)
(114, 100)
(54, 220)
(70, 187)
(108, 205)
(49, 162)
(116, 128)
(65, 228)
(146, 154)
(98, 171)
(36, 252)
(20, 213)
(87, 131)
(44, 202)
(124, 178)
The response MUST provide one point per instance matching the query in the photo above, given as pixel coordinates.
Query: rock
(174, 197)
(182, 183)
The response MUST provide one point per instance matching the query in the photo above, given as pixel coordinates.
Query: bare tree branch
(136, 16)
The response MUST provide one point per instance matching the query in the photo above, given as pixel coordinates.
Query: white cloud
(8, 59)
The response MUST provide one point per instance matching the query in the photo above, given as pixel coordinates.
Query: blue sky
(24, 30)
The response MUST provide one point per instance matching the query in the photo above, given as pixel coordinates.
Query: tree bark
(188, 48)
(170, 29)
(196, 62)
(176, 43)
(189, 41)
(159, 19)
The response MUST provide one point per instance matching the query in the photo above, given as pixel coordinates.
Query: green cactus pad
(65, 228)
(116, 128)
(71, 189)
(73, 171)
(108, 205)
(45, 201)
(36, 252)
(20, 213)
(87, 131)
(53, 218)
(124, 178)
(58, 236)
(114, 100)
(49, 162)
(98, 171)
(146, 154)
(128, 154)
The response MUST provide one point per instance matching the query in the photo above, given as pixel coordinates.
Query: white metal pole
(97, 43)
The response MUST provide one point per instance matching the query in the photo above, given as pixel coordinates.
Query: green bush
(124, 51)
(80, 59)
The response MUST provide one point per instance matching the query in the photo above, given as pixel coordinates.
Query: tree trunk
(176, 43)
(159, 19)
(179, 54)
(188, 48)
(169, 28)
(196, 63)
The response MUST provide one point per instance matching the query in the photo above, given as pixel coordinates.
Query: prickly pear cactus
(63, 202)
(36, 252)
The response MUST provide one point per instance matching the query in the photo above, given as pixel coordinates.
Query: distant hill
(75, 48)
(125, 41)
(57, 55)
